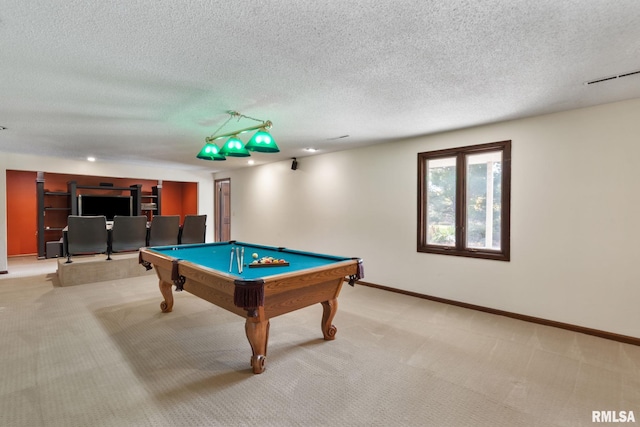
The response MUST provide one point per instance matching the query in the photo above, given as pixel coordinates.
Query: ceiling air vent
(619, 76)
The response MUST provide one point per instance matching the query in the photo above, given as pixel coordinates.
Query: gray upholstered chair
(164, 230)
(193, 229)
(86, 235)
(129, 233)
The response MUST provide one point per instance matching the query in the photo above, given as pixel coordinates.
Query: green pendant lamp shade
(210, 152)
(262, 142)
(234, 148)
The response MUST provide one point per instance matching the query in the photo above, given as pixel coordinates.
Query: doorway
(223, 209)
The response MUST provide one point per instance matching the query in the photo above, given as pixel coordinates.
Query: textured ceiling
(147, 80)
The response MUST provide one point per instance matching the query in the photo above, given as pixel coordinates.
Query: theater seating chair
(86, 235)
(164, 230)
(193, 230)
(129, 233)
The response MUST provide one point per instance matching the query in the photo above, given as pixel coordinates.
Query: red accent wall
(179, 198)
(190, 198)
(22, 213)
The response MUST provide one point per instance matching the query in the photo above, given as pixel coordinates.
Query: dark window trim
(504, 254)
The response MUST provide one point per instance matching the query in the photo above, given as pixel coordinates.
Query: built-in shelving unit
(53, 210)
(55, 206)
(150, 203)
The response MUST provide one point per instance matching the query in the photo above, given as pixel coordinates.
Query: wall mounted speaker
(294, 164)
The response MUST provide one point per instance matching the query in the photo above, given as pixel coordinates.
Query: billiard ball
(255, 255)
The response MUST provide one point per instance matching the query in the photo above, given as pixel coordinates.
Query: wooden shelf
(102, 187)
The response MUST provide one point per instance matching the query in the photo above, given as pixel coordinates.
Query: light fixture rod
(266, 125)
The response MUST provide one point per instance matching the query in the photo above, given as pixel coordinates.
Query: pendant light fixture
(261, 141)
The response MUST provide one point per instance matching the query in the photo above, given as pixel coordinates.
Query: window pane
(441, 201)
(483, 200)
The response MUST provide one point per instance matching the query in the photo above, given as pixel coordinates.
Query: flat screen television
(109, 206)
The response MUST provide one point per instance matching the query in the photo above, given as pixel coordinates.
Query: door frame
(222, 228)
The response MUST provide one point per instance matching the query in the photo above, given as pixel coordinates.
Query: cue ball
(255, 255)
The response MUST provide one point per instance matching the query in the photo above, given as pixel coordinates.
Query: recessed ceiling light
(3, 128)
(251, 162)
(311, 149)
(91, 159)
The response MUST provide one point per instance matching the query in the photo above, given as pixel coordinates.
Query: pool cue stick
(238, 260)
(242, 259)
(231, 260)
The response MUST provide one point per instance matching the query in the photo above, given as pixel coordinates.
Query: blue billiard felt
(217, 257)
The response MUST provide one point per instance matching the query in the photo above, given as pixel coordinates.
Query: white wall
(574, 232)
(57, 165)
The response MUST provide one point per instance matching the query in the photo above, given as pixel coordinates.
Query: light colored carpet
(103, 354)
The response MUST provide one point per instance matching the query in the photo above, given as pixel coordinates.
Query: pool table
(254, 291)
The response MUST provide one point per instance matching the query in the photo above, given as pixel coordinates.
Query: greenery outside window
(464, 201)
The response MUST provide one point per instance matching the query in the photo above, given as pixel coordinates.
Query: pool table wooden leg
(167, 305)
(257, 329)
(329, 309)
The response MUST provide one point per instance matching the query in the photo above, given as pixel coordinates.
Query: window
(464, 198)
